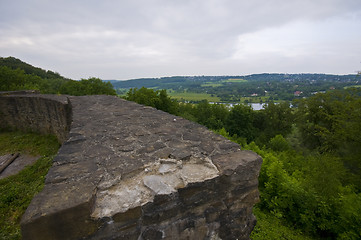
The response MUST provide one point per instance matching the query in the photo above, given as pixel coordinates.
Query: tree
(219, 116)
(91, 86)
(156, 99)
(330, 123)
(239, 122)
(278, 119)
(165, 103)
(279, 144)
(95, 86)
(143, 96)
(16, 79)
(327, 120)
(203, 113)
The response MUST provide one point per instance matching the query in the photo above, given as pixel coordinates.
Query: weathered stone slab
(6, 160)
(19, 163)
(132, 172)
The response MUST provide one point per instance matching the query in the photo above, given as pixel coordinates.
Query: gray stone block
(126, 171)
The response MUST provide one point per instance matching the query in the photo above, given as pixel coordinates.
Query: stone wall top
(134, 172)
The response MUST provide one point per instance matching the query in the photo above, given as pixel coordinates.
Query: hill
(18, 75)
(252, 88)
(15, 63)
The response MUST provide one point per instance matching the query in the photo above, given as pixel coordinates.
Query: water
(256, 106)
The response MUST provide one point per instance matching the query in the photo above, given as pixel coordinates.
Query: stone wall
(46, 114)
(127, 171)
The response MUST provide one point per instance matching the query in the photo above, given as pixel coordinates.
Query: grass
(190, 96)
(28, 143)
(17, 191)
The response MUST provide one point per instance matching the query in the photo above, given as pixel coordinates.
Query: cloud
(133, 38)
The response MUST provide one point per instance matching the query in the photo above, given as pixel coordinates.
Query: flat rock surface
(17, 165)
(4, 159)
(121, 155)
(107, 147)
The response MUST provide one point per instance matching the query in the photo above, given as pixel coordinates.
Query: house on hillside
(297, 93)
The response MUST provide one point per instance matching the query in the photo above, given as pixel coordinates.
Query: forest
(310, 180)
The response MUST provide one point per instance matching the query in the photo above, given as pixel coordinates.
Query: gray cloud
(140, 38)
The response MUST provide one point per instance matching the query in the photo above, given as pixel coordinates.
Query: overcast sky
(123, 39)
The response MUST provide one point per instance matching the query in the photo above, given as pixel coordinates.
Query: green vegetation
(14, 63)
(272, 228)
(157, 99)
(193, 97)
(28, 143)
(91, 86)
(310, 181)
(17, 75)
(256, 99)
(310, 177)
(17, 191)
(353, 86)
(209, 84)
(311, 193)
(235, 80)
(233, 89)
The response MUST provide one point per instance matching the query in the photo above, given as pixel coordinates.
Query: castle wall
(126, 171)
(45, 114)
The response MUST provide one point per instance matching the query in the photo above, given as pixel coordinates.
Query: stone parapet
(127, 171)
(46, 114)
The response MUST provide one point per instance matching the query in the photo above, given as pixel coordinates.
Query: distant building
(297, 93)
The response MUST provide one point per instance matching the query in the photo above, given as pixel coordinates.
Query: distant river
(256, 106)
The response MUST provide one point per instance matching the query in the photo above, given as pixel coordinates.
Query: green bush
(310, 193)
(279, 144)
(272, 228)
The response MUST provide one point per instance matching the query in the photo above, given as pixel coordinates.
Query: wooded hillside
(18, 75)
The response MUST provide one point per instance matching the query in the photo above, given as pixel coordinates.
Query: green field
(235, 80)
(190, 96)
(353, 86)
(257, 99)
(220, 83)
(211, 84)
